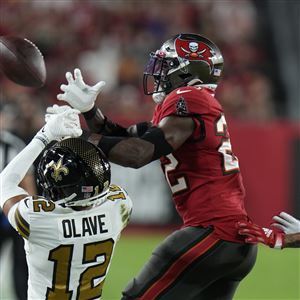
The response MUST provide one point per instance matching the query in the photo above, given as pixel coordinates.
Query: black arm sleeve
(156, 136)
(108, 142)
(141, 128)
(113, 129)
(100, 124)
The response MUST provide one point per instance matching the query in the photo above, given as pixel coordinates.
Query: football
(22, 62)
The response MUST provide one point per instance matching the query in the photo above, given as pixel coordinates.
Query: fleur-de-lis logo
(58, 169)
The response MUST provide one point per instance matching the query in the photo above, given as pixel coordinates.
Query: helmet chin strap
(159, 97)
(69, 202)
(198, 82)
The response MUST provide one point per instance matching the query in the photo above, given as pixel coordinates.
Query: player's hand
(287, 223)
(55, 109)
(60, 125)
(78, 94)
(256, 234)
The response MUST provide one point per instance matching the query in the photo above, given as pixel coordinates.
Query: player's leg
(204, 265)
(214, 275)
(220, 290)
(225, 287)
(169, 262)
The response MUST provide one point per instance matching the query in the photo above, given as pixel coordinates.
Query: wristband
(90, 114)
(42, 137)
(107, 127)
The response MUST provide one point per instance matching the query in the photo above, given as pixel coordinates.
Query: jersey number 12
(62, 258)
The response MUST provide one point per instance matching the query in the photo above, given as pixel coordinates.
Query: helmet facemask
(157, 75)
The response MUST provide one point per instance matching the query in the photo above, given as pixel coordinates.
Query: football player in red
(206, 258)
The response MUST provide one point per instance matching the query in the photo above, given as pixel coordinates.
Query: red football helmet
(181, 59)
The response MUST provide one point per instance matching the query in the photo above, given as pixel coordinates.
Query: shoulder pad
(186, 101)
(116, 193)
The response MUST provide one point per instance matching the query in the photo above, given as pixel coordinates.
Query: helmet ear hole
(173, 63)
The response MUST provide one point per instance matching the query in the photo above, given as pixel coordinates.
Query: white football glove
(55, 109)
(60, 125)
(286, 223)
(78, 94)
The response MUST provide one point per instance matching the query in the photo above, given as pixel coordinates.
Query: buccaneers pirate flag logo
(195, 51)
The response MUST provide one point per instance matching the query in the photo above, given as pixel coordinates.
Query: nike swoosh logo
(178, 92)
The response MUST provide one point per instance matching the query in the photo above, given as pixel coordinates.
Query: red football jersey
(203, 173)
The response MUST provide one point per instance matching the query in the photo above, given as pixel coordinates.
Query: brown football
(22, 62)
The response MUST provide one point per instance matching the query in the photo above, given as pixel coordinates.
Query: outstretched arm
(133, 147)
(98, 123)
(292, 240)
(57, 127)
(132, 152)
(82, 97)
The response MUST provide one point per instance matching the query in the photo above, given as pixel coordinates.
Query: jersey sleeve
(126, 210)
(18, 217)
(188, 102)
(185, 102)
(123, 202)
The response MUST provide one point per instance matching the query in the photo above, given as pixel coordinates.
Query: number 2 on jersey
(180, 183)
(230, 161)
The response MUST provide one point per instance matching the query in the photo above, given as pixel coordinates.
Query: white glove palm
(60, 125)
(286, 223)
(78, 94)
(55, 109)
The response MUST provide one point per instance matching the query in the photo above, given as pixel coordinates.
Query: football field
(276, 275)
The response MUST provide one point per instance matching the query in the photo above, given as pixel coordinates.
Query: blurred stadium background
(110, 40)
